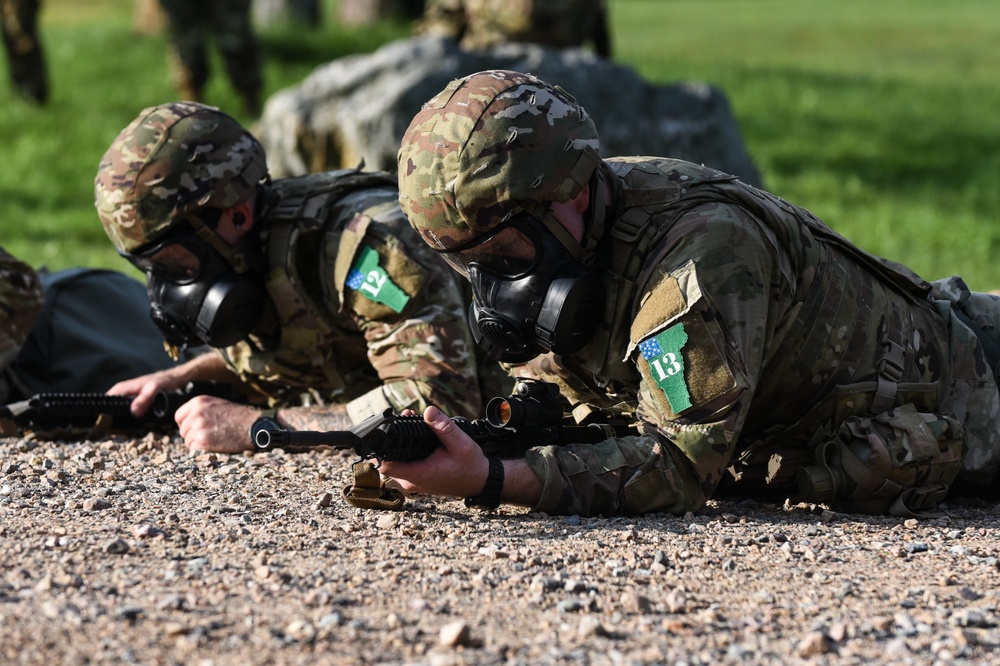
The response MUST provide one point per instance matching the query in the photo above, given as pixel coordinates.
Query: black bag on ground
(94, 331)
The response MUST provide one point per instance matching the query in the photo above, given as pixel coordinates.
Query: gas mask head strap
(582, 174)
(543, 213)
(595, 218)
(234, 255)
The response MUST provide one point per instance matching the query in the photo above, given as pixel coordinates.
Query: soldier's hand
(459, 468)
(208, 423)
(145, 388)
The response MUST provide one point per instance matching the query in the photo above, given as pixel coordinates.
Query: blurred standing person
(19, 22)
(480, 24)
(304, 12)
(191, 24)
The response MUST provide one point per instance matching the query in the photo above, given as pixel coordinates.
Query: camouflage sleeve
(698, 342)
(21, 301)
(407, 302)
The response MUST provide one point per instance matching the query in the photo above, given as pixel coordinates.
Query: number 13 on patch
(666, 365)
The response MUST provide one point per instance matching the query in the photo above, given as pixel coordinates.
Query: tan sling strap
(369, 491)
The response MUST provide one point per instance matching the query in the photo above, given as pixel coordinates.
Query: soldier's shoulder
(669, 167)
(21, 301)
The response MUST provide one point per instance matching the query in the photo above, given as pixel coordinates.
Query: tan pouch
(899, 462)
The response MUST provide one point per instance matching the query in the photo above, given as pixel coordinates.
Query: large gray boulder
(356, 108)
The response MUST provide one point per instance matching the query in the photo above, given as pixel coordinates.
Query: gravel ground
(136, 552)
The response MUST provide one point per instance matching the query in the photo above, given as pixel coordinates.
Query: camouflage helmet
(488, 145)
(171, 161)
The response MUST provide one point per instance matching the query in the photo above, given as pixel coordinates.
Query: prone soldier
(758, 350)
(312, 287)
(191, 25)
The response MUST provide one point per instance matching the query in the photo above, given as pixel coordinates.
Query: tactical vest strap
(890, 372)
(285, 219)
(914, 502)
(628, 227)
(293, 193)
(633, 235)
(905, 502)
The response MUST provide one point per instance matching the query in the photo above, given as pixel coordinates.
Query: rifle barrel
(266, 440)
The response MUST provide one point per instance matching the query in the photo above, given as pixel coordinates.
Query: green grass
(101, 76)
(881, 117)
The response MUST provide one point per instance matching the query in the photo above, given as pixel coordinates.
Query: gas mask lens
(177, 259)
(510, 251)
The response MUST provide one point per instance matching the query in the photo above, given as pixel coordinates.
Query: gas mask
(195, 294)
(530, 294)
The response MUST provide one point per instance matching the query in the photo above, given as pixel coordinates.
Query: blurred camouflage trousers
(481, 24)
(191, 24)
(19, 20)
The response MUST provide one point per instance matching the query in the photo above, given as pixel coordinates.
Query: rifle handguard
(384, 436)
(100, 413)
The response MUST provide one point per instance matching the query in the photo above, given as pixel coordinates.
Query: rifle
(99, 414)
(531, 416)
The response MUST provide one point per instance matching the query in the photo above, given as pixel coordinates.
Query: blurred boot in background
(19, 22)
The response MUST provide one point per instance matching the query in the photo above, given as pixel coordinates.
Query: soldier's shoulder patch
(371, 280)
(664, 357)
(375, 273)
(681, 346)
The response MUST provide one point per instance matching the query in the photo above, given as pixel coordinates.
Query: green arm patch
(371, 281)
(666, 365)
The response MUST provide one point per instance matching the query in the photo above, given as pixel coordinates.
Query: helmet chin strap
(594, 222)
(543, 213)
(236, 256)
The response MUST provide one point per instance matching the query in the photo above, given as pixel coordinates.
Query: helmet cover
(171, 161)
(488, 145)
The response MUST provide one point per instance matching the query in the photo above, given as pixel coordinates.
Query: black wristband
(268, 419)
(490, 497)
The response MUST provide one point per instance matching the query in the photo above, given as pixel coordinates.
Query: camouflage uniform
(21, 301)
(753, 337)
(19, 23)
(191, 25)
(756, 348)
(480, 24)
(368, 315)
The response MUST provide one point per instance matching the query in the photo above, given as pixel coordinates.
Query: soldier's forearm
(207, 367)
(521, 485)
